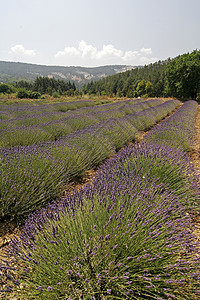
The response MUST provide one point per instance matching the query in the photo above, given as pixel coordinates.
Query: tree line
(178, 77)
(40, 86)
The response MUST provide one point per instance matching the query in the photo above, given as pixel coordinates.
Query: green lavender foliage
(41, 171)
(35, 124)
(119, 237)
(27, 182)
(178, 131)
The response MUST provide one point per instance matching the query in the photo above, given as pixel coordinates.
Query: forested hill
(178, 77)
(126, 84)
(15, 71)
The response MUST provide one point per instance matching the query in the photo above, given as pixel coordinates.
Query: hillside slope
(13, 71)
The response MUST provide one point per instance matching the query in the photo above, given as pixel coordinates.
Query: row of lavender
(28, 114)
(8, 112)
(32, 176)
(50, 126)
(128, 235)
(178, 130)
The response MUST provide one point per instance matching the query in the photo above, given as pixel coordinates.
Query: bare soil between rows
(195, 158)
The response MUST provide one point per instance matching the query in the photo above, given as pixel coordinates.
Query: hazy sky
(97, 32)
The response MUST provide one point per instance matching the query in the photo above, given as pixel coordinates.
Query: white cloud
(146, 50)
(130, 55)
(109, 51)
(87, 54)
(68, 51)
(82, 50)
(87, 50)
(20, 50)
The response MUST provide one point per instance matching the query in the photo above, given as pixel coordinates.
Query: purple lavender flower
(40, 288)
(109, 291)
(142, 189)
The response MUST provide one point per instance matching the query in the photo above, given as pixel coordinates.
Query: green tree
(141, 88)
(144, 88)
(183, 75)
(149, 88)
(47, 85)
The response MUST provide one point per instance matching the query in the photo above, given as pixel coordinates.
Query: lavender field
(35, 171)
(28, 124)
(126, 235)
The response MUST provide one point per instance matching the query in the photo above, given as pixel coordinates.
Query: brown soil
(195, 157)
(7, 231)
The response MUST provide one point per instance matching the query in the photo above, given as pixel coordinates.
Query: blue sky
(97, 32)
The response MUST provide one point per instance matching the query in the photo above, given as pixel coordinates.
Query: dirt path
(195, 157)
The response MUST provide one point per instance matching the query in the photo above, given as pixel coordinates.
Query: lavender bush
(144, 120)
(42, 170)
(97, 146)
(21, 109)
(24, 136)
(27, 181)
(128, 235)
(119, 132)
(31, 124)
(178, 130)
(57, 129)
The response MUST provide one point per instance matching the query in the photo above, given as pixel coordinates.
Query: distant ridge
(15, 71)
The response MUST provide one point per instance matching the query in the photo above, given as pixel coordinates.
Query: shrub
(5, 88)
(23, 93)
(34, 95)
(55, 95)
